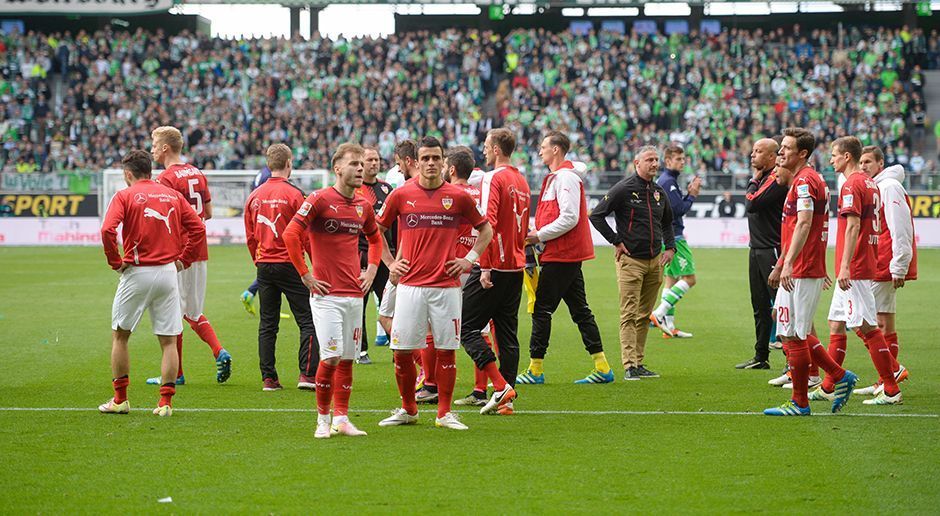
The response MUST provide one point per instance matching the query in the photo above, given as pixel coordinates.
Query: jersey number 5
(195, 196)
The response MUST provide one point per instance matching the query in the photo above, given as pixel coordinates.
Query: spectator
(726, 206)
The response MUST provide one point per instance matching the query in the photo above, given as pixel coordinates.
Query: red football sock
(344, 380)
(120, 389)
(167, 391)
(179, 352)
(799, 371)
(479, 379)
(881, 357)
(837, 345)
(446, 378)
(405, 375)
(324, 387)
(492, 372)
(429, 361)
(892, 340)
(206, 333)
(821, 359)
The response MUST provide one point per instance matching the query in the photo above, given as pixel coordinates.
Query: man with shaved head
(764, 203)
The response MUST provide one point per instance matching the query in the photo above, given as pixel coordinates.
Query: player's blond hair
(169, 135)
(278, 156)
(345, 149)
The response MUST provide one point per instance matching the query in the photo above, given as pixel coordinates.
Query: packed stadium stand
(74, 101)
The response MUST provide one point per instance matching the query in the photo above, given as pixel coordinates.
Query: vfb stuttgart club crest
(359, 211)
(656, 196)
(447, 202)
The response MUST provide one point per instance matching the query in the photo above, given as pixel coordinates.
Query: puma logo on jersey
(334, 208)
(154, 214)
(410, 203)
(270, 223)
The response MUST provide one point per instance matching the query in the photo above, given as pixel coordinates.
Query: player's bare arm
(458, 266)
(207, 210)
(853, 227)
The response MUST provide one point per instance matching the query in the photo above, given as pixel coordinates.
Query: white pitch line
(534, 412)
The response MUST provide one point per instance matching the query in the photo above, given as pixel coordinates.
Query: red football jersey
(506, 200)
(428, 227)
(467, 238)
(807, 193)
(191, 182)
(154, 218)
(268, 210)
(860, 197)
(332, 224)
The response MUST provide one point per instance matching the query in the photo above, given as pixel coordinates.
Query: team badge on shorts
(331, 345)
(447, 202)
(359, 211)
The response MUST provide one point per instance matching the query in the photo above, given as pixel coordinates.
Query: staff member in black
(375, 191)
(643, 244)
(764, 206)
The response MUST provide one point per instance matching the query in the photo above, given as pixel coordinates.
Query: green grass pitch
(597, 458)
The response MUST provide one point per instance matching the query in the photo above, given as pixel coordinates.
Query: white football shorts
(796, 309)
(387, 306)
(855, 305)
(192, 285)
(152, 288)
(886, 297)
(420, 306)
(338, 322)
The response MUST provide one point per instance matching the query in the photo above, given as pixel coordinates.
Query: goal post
(229, 188)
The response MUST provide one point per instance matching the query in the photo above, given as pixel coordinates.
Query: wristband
(472, 256)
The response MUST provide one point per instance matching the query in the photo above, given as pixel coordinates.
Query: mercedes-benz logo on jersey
(256, 204)
(411, 220)
(140, 198)
(331, 226)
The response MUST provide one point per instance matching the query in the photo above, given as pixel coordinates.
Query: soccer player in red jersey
(429, 213)
(268, 210)
(494, 290)
(801, 271)
(332, 219)
(154, 217)
(853, 302)
(191, 183)
(897, 252)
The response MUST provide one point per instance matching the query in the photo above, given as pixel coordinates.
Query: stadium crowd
(72, 101)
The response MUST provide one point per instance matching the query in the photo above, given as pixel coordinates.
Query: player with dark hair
(801, 272)
(679, 274)
(157, 222)
(563, 230)
(429, 213)
(192, 184)
(853, 300)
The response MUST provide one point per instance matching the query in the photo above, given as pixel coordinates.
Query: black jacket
(764, 207)
(643, 216)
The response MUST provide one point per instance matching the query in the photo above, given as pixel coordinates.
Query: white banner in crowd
(84, 6)
(87, 231)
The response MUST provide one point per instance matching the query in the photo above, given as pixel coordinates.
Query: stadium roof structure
(538, 3)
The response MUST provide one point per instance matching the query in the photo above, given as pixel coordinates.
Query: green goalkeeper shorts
(682, 263)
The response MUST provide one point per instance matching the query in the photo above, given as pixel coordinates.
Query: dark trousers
(378, 287)
(760, 263)
(500, 303)
(557, 282)
(275, 279)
